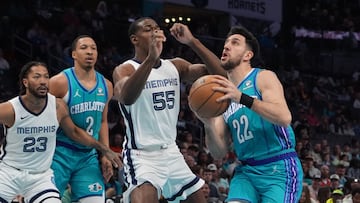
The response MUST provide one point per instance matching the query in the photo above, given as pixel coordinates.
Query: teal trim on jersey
(85, 106)
(255, 137)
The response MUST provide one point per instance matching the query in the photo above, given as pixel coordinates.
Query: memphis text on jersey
(161, 83)
(36, 129)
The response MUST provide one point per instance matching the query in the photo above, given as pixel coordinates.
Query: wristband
(246, 100)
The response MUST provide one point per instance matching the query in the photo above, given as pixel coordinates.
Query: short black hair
(250, 39)
(73, 45)
(24, 73)
(134, 26)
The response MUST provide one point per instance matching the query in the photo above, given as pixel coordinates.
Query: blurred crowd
(325, 107)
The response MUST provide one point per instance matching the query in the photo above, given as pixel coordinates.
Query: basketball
(202, 98)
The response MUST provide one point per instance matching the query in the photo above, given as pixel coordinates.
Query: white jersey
(151, 120)
(30, 143)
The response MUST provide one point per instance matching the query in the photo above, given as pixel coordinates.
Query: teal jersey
(253, 136)
(85, 107)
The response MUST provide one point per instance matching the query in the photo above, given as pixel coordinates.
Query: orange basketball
(202, 98)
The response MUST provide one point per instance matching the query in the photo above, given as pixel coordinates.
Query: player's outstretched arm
(183, 34)
(79, 135)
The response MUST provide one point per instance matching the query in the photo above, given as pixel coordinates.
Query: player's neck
(238, 74)
(157, 62)
(85, 73)
(34, 104)
(139, 56)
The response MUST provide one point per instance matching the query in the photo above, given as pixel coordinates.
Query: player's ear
(249, 54)
(133, 39)
(73, 54)
(25, 82)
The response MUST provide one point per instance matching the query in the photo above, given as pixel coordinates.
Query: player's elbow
(74, 134)
(285, 120)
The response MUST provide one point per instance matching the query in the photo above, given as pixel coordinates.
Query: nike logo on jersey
(23, 117)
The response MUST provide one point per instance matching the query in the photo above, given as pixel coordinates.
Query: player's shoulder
(178, 62)
(59, 79)
(58, 85)
(267, 78)
(266, 73)
(123, 70)
(8, 105)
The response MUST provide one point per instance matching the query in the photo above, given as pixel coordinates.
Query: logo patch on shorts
(95, 187)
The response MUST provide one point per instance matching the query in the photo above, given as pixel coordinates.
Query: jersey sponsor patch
(100, 92)
(248, 84)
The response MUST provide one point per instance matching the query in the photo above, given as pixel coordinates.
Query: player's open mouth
(43, 89)
(89, 60)
(223, 56)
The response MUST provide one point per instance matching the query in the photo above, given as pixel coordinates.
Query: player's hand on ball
(203, 99)
(230, 91)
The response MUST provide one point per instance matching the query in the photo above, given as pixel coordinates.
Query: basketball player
(31, 121)
(148, 90)
(257, 123)
(87, 94)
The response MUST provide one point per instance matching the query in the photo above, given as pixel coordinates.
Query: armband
(246, 100)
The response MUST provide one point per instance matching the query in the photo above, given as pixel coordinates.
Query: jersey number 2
(90, 122)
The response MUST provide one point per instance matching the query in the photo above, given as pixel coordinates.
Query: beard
(230, 64)
(36, 93)
(88, 67)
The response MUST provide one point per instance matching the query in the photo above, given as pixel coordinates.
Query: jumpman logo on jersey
(275, 170)
(77, 94)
